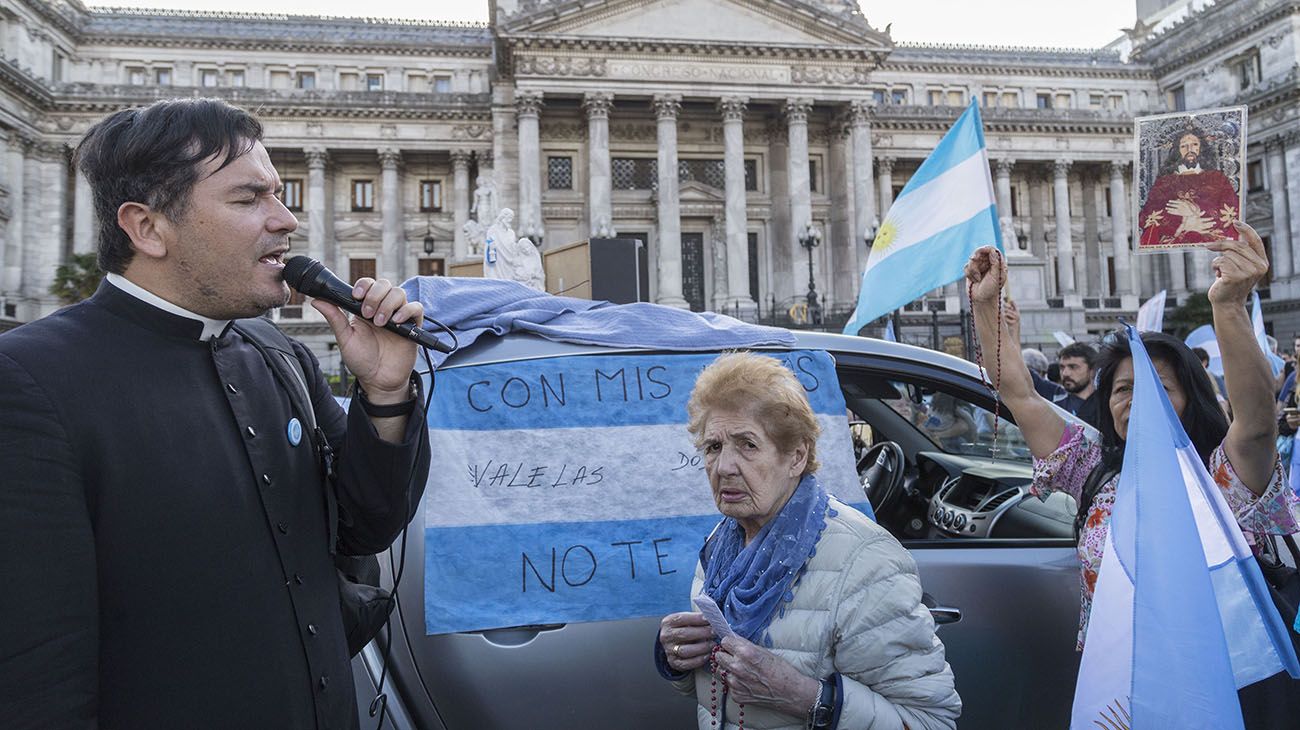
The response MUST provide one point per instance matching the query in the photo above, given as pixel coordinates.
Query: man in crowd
(1077, 361)
(1037, 363)
(166, 534)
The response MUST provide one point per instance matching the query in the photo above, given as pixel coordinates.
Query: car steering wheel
(881, 469)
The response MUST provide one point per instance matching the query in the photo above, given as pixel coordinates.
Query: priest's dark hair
(153, 155)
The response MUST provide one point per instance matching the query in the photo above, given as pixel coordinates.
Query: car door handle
(941, 614)
(945, 615)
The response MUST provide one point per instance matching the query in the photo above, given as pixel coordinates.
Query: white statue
(485, 200)
(474, 236)
(528, 265)
(508, 257)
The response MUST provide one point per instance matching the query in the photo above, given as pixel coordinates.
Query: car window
(956, 425)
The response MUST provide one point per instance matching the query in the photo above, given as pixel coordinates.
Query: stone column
(15, 164)
(1087, 266)
(886, 165)
(1037, 213)
(46, 173)
(1200, 275)
(1125, 272)
(1064, 245)
(460, 202)
(33, 235)
(83, 216)
(1282, 263)
(864, 204)
(668, 250)
(841, 259)
(528, 106)
(733, 135)
(319, 221)
(392, 259)
(796, 120)
(1177, 273)
(599, 213)
(1005, 220)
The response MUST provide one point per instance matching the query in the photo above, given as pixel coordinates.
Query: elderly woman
(825, 604)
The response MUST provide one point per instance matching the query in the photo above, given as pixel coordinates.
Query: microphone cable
(379, 705)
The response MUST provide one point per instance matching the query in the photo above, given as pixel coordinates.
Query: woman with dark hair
(1241, 457)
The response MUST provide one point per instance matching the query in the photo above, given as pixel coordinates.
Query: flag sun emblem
(884, 237)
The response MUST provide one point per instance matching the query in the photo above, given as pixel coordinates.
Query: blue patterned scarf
(751, 582)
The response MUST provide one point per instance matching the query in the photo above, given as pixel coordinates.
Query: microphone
(310, 277)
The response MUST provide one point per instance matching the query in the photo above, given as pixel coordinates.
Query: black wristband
(391, 410)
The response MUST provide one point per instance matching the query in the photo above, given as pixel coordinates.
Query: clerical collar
(211, 327)
(1185, 170)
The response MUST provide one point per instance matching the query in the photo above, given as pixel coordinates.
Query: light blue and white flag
(1257, 324)
(890, 334)
(1204, 338)
(943, 214)
(568, 489)
(1151, 315)
(1181, 616)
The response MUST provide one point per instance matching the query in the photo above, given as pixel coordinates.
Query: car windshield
(957, 426)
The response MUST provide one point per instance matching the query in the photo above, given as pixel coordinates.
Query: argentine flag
(1181, 616)
(568, 489)
(943, 214)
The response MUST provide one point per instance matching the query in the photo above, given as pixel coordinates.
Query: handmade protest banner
(568, 489)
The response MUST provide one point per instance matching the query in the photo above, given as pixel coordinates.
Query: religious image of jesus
(1191, 201)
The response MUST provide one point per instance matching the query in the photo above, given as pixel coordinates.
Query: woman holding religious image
(1241, 458)
(825, 606)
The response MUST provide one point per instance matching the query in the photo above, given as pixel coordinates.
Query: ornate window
(1043, 100)
(374, 82)
(559, 173)
(898, 96)
(235, 77)
(363, 196)
(1254, 175)
(291, 196)
(1246, 69)
(305, 80)
(441, 84)
(430, 196)
(634, 173)
(208, 77)
(162, 76)
(1177, 99)
(713, 173)
(135, 75)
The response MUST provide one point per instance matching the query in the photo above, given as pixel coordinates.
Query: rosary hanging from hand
(726, 687)
(995, 267)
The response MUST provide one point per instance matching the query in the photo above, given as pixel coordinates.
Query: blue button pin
(294, 431)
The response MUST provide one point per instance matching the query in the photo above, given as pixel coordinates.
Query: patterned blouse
(1276, 512)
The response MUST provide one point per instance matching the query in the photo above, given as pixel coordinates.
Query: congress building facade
(716, 131)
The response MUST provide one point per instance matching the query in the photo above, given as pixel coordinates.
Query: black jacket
(163, 543)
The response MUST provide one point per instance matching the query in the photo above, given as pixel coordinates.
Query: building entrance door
(693, 270)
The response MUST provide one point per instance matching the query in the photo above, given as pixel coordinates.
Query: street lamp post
(811, 238)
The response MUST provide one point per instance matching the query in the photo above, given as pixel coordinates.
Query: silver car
(998, 568)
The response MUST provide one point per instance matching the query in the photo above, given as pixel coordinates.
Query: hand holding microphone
(310, 277)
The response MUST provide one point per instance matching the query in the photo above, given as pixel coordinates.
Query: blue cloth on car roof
(471, 307)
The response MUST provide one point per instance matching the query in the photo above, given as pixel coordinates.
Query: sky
(1051, 23)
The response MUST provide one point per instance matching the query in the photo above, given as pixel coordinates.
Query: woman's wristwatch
(823, 710)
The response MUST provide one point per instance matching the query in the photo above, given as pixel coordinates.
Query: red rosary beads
(996, 386)
(713, 691)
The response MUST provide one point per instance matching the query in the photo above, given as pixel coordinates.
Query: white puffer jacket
(857, 611)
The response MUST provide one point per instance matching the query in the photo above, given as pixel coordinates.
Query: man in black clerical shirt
(165, 536)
